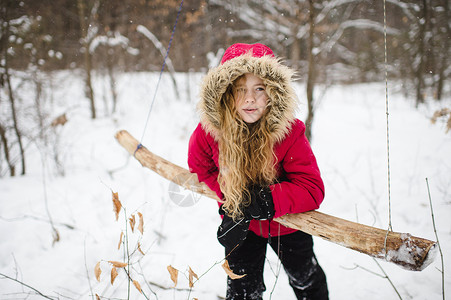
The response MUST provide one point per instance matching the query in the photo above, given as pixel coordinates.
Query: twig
(69, 226)
(388, 278)
(145, 280)
(126, 250)
(279, 264)
(56, 235)
(26, 285)
(363, 268)
(119, 168)
(208, 270)
(385, 276)
(168, 288)
(438, 243)
(130, 280)
(86, 268)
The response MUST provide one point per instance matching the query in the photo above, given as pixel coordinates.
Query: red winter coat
(300, 186)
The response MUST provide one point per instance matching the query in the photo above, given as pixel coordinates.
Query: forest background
(327, 42)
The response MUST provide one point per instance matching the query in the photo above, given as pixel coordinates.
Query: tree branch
(26, 285)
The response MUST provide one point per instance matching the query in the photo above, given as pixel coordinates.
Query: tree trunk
(444, 52)
(410, 252)
(295, 46)
(87, 56)
(15, 121)
(12, 169)
(420, 85)
(112, 79)
(7, 79)
(311, 73)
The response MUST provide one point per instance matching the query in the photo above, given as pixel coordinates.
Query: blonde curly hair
(246, 155)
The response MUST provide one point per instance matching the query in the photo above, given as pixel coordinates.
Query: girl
(251, 150)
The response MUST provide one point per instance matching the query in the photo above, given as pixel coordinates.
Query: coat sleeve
(303, 188)
(200, 160)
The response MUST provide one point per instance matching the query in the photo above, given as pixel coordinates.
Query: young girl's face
(251, 98)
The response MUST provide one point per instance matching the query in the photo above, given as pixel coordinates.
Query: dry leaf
(120, 241)
(191, 276)
(117, 205)
(229, 272)
(60, 120)
(138, 286)
(113, 275)
(118, 264)
(139, 249)
(174, 273)
(97, 271)
(444, 112)
(141, 223)
(97, 297)
(132, 220)
(56, 236)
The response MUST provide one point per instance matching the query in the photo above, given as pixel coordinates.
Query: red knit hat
(257, 50)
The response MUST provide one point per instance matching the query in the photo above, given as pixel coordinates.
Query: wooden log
(410, 252)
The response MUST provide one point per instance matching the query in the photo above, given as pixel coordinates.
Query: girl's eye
(260, 89)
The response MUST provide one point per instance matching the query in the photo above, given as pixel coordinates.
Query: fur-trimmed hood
(276, 77)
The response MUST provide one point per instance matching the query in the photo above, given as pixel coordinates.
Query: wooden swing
(410, 252)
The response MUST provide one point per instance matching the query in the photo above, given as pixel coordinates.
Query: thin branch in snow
(112, 41)
(363, 268)
(385, 276)
(164, 53)
(361, 24)
(151, 37)
(279, 265)
(147, 282)
(69, 226)
(26, 285)
(438, 243)
(86, 268)
(55, 232)
(388, 278)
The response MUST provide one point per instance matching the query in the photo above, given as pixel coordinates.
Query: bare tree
(443, 33)
(12, 168)
(311, 72)
(6, 83)
(87, 36)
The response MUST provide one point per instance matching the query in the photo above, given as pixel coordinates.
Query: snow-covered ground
(349, 142)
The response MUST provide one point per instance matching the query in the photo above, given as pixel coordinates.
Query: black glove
(231, 234)
(262, 205)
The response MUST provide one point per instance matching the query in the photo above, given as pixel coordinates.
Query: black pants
(295, 251)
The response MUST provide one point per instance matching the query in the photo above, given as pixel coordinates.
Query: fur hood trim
(276, 77)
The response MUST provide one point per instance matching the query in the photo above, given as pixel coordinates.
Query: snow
(350, 145)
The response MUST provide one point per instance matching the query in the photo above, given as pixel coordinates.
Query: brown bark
(444, 54)
(87, 56)
(12, 168)
(311, 73)
(7, 81)
(412, 253)
(419, 74)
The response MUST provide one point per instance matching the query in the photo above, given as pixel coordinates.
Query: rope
(387, 117)
(387, 114)
(161, 73)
